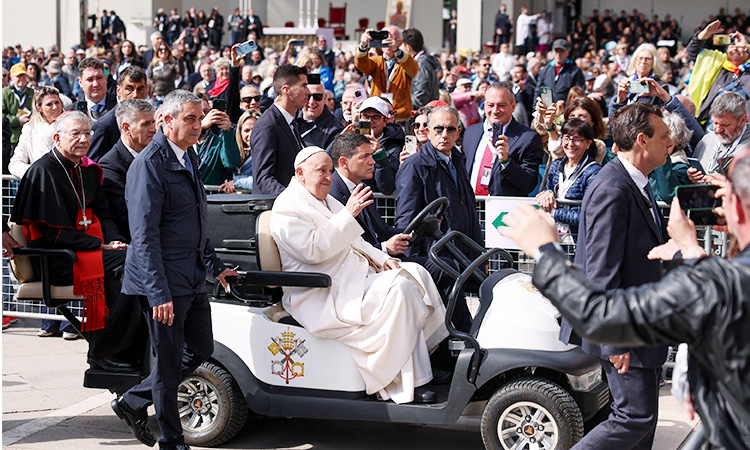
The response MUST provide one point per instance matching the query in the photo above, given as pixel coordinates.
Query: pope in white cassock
(389, 313)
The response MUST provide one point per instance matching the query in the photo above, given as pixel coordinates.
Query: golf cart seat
(36, 287)
(269, 262)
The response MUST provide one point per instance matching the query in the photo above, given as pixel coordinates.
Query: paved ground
(44, 406)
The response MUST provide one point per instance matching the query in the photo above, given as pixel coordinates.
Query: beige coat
(390, 319)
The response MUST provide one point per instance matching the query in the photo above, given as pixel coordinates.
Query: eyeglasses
(317, 96)
(418, 125)
(439, 129)
(644, 58)
(375, 118)
(77, 134)
(252, 98)
(574, 139)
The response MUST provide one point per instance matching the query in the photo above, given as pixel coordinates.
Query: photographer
(218, 152)
(392, 72)
(703, 302)
(717, 71)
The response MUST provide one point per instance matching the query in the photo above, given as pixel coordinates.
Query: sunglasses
(417, 125)
(439, 129)
(317, 97)
(252, 98)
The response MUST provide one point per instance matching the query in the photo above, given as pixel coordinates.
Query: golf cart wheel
(212, 409)
(531, 413)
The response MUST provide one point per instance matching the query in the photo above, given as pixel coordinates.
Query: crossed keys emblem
(286, 347)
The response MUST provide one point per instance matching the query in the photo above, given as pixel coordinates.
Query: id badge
(486, 174)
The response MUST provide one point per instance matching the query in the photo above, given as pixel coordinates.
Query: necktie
(188, 164)
(486, 163)
(297, 137)
(654, 210)
(454, 174)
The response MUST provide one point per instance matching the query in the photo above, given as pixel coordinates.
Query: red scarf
(219, 87)
(88, 274)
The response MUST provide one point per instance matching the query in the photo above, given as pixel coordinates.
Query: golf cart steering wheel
(427, 222)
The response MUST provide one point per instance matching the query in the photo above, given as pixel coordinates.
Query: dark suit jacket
(111, 102)
(322, 131)
(106, 134)
(115, 165)
(170, 252)
(616, 232)
(424, 177)
(274, 148)
(521, 174)
(502, 21)
(383, 231)
(256, 21)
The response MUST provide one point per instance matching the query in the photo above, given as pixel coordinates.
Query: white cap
(463, 81)
(376, 103)
(306, 153)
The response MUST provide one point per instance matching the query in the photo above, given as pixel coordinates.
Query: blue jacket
(576, 191)
(424, 177)
(169, 251)
(570, 75)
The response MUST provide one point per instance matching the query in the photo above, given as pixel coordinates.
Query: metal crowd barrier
(714, 243)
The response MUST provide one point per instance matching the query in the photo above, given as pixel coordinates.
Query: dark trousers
(124, 329)
(177, 355)
(635, 408)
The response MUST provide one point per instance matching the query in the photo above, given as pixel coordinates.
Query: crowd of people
(540, 117)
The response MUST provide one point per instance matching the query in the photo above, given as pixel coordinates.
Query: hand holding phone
(377, 39)
(411, 145)
(723, 39)
(698, 203)
(637, 87)
(364, 127)
(246, 48)
(546, 95)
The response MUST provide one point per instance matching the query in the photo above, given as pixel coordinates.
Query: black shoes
(137, 421)
(422, 395)
(113, 364)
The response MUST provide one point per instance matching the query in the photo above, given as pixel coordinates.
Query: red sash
(88, 274)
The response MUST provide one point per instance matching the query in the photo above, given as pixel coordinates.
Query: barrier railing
(714, 243)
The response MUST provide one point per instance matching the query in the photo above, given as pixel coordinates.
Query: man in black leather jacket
(703, 302)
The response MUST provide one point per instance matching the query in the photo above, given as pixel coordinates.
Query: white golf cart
(531, 390)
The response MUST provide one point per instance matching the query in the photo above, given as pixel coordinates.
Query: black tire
(521, 407)
(212, 409)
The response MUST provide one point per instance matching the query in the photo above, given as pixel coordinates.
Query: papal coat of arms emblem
(287, 346)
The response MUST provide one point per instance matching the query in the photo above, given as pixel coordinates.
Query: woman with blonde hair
(36, 136)
(242, 176)
(644, 64)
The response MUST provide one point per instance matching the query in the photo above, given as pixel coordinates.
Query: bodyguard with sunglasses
(315, 122)
(438, 170)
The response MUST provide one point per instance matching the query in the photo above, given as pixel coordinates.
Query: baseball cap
(376, 103)
(463, 81)
(588, 75)
(561, 44)
(18, 69)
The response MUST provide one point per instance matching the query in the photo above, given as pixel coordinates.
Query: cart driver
(389, 313)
